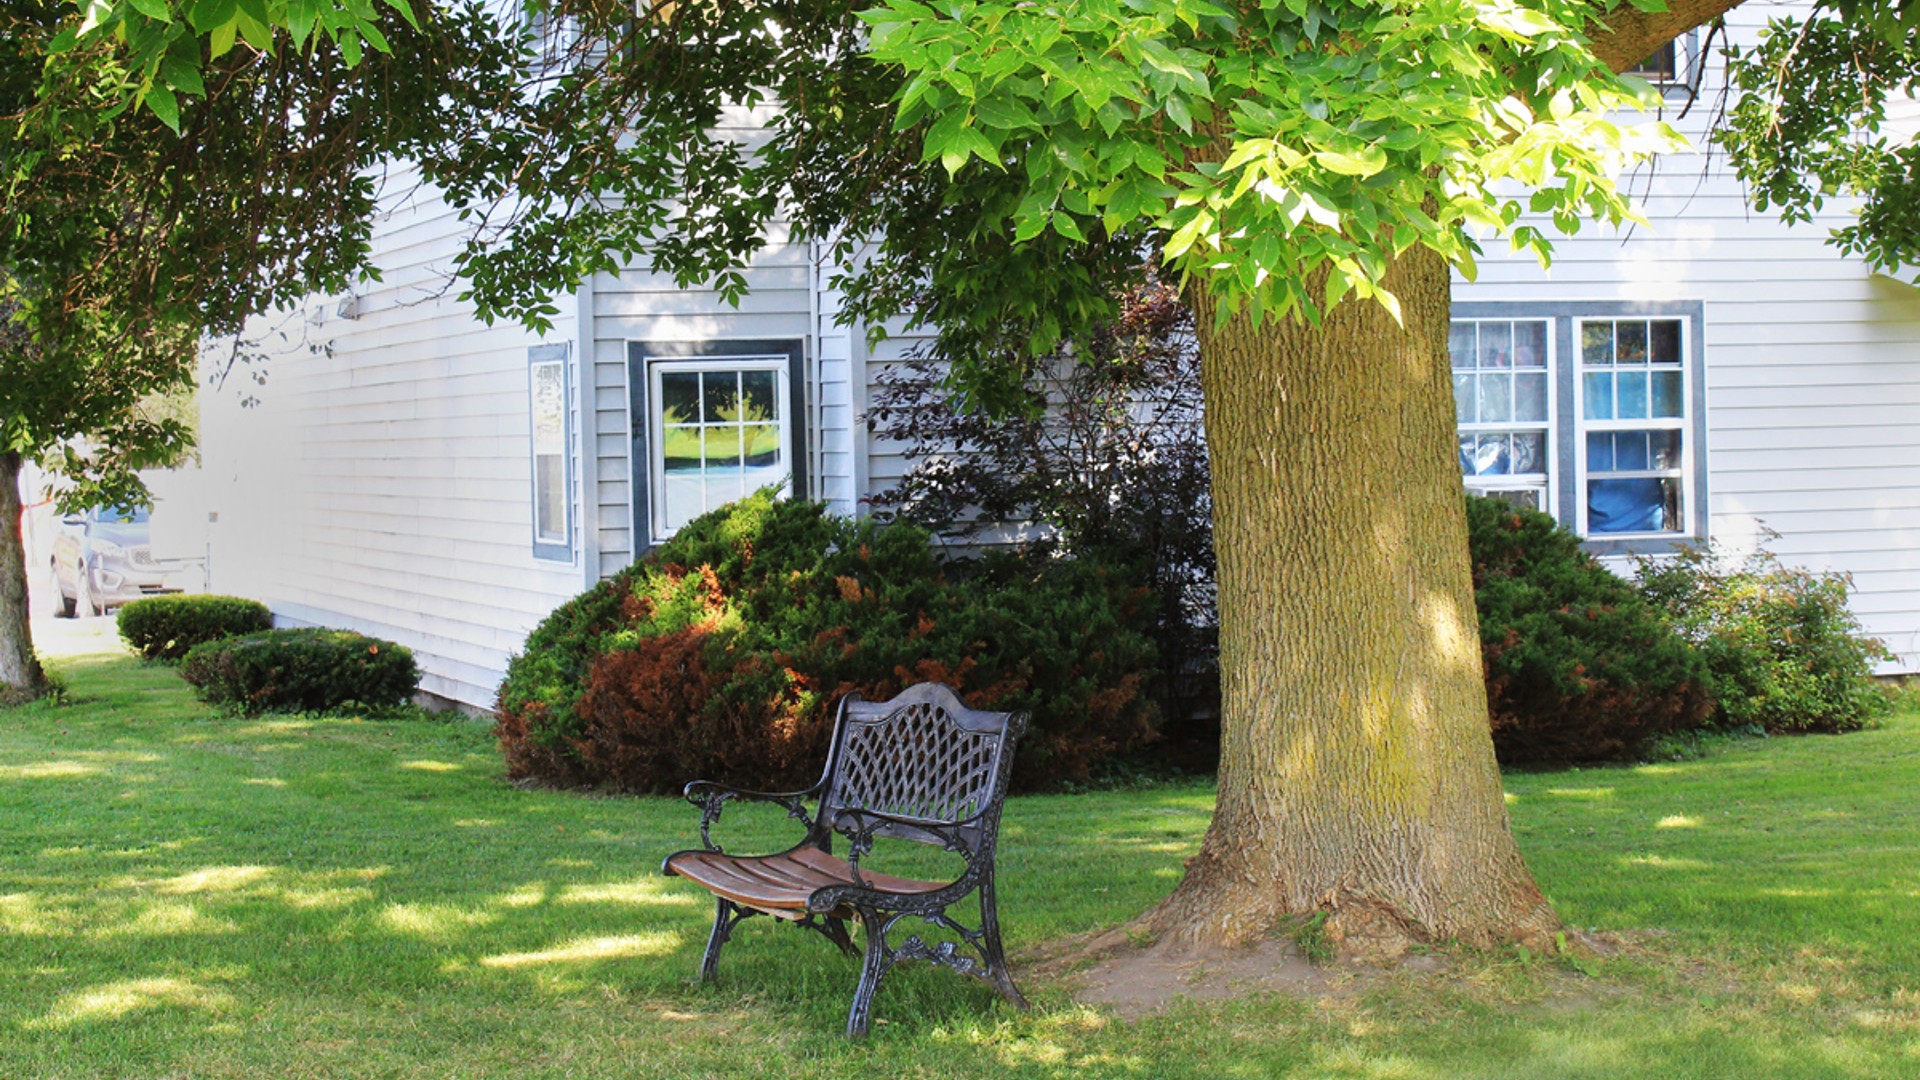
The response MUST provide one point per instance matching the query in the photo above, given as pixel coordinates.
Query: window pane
(1663, 447)
(720, 395)
(1530, 452)
(1598, 393)
(1600, 451)
(549, 409)
(1496, 345)
(680, 449)
(1530, 344)
(1530, 396)
(1496, 398)
(549, 505)
(759, 389)
(1630, 451)
(762, 445)
(722, 445)
(682, 498)
(1467, 444)
(1631, 390)
(1596, 343)
(1631, 342)
(1518, 498)
(1633, 505)
(1460, 344)
(1463, 399)
(679, 397)
(1490, 456)
(1663, 345)
(1667, 394)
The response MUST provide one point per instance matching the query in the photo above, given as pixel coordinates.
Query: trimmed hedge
(165, 627)
(721, 654)
(1579, 667)
(305, 670)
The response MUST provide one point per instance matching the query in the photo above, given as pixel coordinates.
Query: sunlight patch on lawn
(426, 765)
(433, 920)
(1664, 862)
(1678, 821)
(266, 781)
(1582, 792)
(624, 947)
(26, 915)
(477, 823)
(216, 879)
(531, 894)
(638, 893)
(114, 1000)
(166, 918)
(49, 770)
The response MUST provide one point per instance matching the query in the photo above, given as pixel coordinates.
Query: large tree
(169, 171)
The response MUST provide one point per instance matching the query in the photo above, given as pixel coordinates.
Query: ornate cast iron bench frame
(921, 767)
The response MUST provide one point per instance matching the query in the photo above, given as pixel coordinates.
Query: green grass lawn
(184, 894)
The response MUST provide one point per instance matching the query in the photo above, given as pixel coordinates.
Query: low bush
(305, 670)
(1785, 652)
(165, 627)
(721, 654)
(1579, 667)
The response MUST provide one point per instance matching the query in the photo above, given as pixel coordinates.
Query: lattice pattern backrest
(923, 756)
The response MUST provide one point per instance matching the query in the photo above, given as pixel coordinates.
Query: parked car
(102, 559)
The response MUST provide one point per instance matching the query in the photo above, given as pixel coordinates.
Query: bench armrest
(712, 797)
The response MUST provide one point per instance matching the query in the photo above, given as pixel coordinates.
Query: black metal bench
(922, 767)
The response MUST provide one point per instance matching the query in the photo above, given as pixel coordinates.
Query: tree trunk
(1357, 775)
(21, 678)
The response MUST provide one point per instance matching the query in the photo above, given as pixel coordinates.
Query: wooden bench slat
(782, 882)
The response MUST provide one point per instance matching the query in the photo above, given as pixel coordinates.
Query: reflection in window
(548, 398)
(721, 434)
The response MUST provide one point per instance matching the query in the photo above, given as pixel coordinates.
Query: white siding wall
(382, 482)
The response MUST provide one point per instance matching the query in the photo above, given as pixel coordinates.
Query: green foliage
(1579, 667)
(722, 652)
(165, 627)
(306, 670)
(1810, 123)
(1785, 652)
(1108, 456)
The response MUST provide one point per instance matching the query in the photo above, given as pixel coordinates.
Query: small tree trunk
(21, 678)
(1357, 774)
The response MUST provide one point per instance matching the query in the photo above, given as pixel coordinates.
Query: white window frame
(1481, 485)
(1684, 424)
(548, 548)
(656, 366)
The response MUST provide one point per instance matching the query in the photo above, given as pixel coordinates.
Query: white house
(410, 472)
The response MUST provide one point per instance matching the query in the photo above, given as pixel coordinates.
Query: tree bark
(1357, 774)
(21, 677)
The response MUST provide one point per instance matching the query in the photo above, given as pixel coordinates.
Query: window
(552, 436)
(720, 422)
(1589, 412)
(1503, 398)
(1662, 67)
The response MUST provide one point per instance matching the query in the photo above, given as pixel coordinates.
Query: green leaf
(160, 101)
(153, 9)
(208, 15)
(221, 38)
(1365, 163)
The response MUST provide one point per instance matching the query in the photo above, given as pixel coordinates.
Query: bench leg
(871, 972)
(726, 916)
(996, 954)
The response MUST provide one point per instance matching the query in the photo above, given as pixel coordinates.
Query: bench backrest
(923, 756)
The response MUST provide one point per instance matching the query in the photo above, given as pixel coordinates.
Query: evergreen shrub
(305, 670)
(165, 627)
(721, 654)
(1785, 652)
(1579, 667)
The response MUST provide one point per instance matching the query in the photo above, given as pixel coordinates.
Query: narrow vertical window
(1503, 402)
(551, 438)
(1635, 426)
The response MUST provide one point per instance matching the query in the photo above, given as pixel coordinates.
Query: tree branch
(1632, 35)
